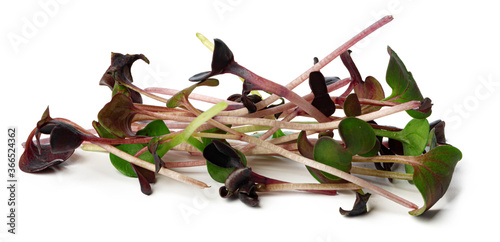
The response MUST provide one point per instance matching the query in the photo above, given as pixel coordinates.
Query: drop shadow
(430, 215)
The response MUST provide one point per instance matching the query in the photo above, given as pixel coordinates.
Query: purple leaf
(119, 70)
(117, 115)
(322, 100)
(222, 57)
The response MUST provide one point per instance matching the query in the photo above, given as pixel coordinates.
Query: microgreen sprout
(140, 137)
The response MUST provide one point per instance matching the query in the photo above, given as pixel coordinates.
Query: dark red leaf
(119, 70)
(117, 115)
(322, 100)
(222, 57)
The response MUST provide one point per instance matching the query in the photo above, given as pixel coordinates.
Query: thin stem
(216, 136)
(194, 96)
(322, 63)
(287, 106)
(276, 88)
(322, 167)
(385, 133)
(179, 164)
(270, 132)
(407, 160)
(314, 164)
(306, 186)
(370, 101)
(143, 92)
(321, 126)
(144, 164)
(383, 127)
(379, 173)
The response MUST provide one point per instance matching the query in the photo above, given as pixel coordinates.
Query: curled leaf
(222, 155)
(439, 126)
(240, 182)
(153, 147)
(222, 56)
(370, 89)
(425, 106)
(177, 99)
(433, 172)
(63, 140)
(359, 207)
(351, 67)
(119, 71)
(404, 87)
(37, 157)
(145, 177)
(117, 115)
(222, 160)
(237, 178)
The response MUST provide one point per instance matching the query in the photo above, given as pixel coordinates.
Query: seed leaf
(352, 107)
(178, 98)
(331, 153)
(404, 87)
(117, 115)
(357, 134)
(322, 100)
(306, 149)
(222, 159)
(433, 172)
(222, 56)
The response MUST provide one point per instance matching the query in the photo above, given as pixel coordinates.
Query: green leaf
(432, 174)
(414, 138)
(331, 153)
(306, 149)
(177, 99)
(278, 133)
(357, 134)
(404, 87)
(154, 128)
(374, 151)
(124, 166)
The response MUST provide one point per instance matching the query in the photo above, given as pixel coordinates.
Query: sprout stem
(306, 186)
(144, 164)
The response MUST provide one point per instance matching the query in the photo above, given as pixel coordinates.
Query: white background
(54, 53)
